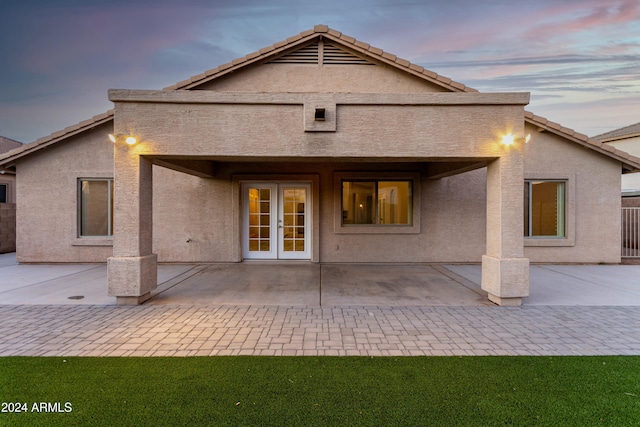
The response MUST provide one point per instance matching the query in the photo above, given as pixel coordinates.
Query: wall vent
(320, 52)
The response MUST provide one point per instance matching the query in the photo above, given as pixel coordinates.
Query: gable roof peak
(325, 32)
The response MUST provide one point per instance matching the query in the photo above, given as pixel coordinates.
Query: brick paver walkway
(66, 330)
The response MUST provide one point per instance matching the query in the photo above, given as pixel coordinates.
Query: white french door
(276, 220)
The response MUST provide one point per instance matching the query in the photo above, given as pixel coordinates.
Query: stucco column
(132, 271)
(505, 271)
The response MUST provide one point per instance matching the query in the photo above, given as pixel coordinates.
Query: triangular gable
(344, 48)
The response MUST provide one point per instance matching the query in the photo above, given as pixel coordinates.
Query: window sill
(93, 241)
(373, 229)
(549, 242)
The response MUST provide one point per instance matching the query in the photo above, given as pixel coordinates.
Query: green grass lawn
(331, 391)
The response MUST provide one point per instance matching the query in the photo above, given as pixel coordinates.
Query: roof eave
(629, 162)
(8, 159)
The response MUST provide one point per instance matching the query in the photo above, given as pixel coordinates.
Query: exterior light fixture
(131, 140)
(509, 139)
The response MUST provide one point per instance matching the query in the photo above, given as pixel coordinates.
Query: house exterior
(626, 139)
(7, 200)
(319, 149)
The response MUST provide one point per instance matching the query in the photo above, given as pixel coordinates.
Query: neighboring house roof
(630, 163)
(7, 144)
(630, 131)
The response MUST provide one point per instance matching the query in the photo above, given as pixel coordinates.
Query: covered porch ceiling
(207, 166)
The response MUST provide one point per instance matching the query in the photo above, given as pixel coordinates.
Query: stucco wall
(276, 130)
(47, 227)
(595, 225)
(311, 78)
(192, 217)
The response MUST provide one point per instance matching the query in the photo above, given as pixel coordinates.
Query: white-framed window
(376, 202)
(545, 211)
(4, 193)
(95, 207)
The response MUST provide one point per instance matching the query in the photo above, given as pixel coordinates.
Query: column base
(505, 302)
(505, 279)
(133, 300)
(131, 279)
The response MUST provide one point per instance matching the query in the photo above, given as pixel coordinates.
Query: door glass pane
(294, 208)
(259, 219)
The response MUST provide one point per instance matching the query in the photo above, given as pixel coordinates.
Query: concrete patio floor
(327, 285)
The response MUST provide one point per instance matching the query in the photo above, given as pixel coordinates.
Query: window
(4, 193)
(544, 208)
(96, 207)
(369, 202)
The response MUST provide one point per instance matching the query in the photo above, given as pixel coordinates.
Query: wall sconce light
(509, 139)
(131, 140)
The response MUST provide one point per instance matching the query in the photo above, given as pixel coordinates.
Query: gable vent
(335, 55)
(304, 55)
(320, 51)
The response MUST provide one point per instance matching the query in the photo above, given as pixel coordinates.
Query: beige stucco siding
(593, 204)
(312, 78)
(373, 131)
(47, 187)
(192, 218)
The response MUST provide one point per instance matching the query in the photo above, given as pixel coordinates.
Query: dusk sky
(579, 59)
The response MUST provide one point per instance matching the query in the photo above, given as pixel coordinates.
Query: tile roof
(330, 34)
(629, 162)
(7, 144)
(55, 137)
(630, 131)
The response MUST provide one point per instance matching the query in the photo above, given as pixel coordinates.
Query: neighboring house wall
(630, 181)
(592, 211)
(8, 201)
(7, 227)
